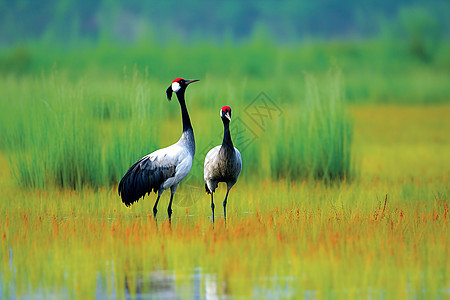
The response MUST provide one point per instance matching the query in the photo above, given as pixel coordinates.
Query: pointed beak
(227, 115)
(191, 81)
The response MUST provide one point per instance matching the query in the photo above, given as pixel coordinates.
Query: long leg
(225, 202)
(169, 208)
(212, 206)
(155, 210)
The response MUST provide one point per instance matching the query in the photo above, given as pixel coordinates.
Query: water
(190, 284)
(158, 284)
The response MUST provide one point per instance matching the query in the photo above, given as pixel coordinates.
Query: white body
(176, 155)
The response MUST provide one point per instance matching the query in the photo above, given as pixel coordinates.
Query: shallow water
(194, 284)
(163, 284)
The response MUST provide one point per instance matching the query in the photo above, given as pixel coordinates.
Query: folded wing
(146, 175)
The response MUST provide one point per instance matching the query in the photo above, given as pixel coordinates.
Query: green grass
(314, 141)
(73, 134)
(79, 117)
(376, 71)
(87, 132)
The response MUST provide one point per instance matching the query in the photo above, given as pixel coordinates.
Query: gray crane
(223, 163)
(166, 167)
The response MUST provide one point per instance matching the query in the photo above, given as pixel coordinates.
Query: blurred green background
(285, 22)
(257, 37)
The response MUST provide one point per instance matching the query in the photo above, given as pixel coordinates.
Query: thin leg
(212, 206)
(225, 205)
(169, 208)
(155, 210)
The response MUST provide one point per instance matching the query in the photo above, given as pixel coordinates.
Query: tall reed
(77, 134)
(316, 143)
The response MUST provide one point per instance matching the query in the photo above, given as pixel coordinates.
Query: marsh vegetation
(343, 193)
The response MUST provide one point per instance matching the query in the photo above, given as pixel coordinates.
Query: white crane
(223, 163)
(166, 167)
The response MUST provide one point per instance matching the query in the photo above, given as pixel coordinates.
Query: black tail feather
(142, 178)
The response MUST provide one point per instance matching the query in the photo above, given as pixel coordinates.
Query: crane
(223, 163)
(163, 168)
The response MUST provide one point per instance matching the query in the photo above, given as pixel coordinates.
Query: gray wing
(145, 175)
(209, 168)
(238, 164)
(210, 163)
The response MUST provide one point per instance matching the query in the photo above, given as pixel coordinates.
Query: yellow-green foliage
(339, 242)
(283, 239)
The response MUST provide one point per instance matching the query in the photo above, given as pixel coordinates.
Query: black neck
(227, 135)
(184, 113)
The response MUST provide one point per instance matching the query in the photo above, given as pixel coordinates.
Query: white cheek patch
(220, 113)
(176, 86)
